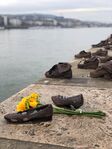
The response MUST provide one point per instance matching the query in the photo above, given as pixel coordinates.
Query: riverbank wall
(63, 132)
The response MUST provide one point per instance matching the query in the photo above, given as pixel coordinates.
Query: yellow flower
(33, 104)
(24, 99)
(32, 99)
(21, 107)
(35, 95)
(27, 102)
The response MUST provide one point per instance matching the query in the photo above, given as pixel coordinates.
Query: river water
(26, 54)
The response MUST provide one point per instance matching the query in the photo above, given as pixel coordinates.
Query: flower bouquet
(28, 102)
(33, 101)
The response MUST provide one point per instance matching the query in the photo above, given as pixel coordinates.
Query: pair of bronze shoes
(102, 55)
(105, 59)
(84, 54)
(103, 43)
(100, 52)
(104, 71)
(108, 47)
(45, 112)
(100, 44)
(91, 63)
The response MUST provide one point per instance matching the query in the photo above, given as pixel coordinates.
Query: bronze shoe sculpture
(83, 54)
(60, 70)
(103, 71)
(100, 52)
(105, 59)
(91, 63)
(74, 101)
(100, 44)
(42, 113)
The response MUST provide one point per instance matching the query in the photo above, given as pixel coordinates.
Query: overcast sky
(99, 10)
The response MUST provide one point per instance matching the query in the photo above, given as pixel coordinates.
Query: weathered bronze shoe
(42, 113)
(103, 43)
(75, 101)
(100, 44)
(99, 72)
(83, 54)
(100, 52)
(91, 63)
(108, 47)
(105, 59)
(103, 71)
(60, 70)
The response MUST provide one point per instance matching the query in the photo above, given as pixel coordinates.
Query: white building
(5, 20)
(15, 22)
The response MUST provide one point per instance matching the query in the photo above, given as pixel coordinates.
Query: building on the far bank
(15, 22)
(1, 22)
(50, 22)
(5, 20)
(41, 20)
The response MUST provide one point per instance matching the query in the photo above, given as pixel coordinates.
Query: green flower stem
(98, 114)
(57, 110)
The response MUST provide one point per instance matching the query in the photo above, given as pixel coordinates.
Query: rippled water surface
(26, 54)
